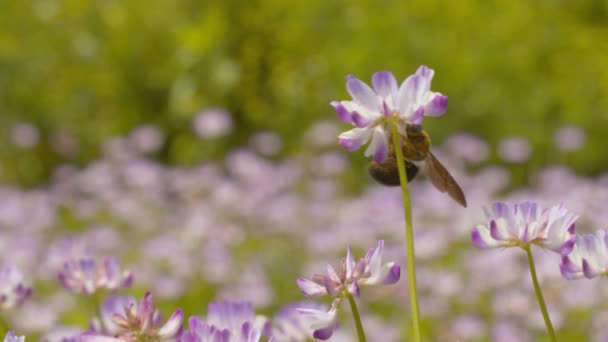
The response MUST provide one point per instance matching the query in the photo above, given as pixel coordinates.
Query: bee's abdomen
(387, 173)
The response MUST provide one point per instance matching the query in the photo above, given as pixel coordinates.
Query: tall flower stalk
(382, 113)
(409, 236)
(539, 295)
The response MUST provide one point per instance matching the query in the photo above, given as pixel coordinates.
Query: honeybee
(416, 147)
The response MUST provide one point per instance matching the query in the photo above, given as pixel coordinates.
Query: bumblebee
(416, 147)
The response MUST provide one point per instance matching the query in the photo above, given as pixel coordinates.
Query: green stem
(356, 317)
(409, 234)
(4, 327)
(539, 295)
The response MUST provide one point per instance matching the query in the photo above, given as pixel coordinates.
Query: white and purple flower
(370, 108)
(13, 291)
(526, 223)
(368, 271)
(225, 322)
(589, 257)
(86, 276)
(11, 337)
(124, 319)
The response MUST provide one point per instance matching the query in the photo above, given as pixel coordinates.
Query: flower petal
(353, 139)
(343, 113)
(378, 146)
(362, 93)
(384, 84)
(310, 288)
(173, 326)
(480, 236)
(437, 105)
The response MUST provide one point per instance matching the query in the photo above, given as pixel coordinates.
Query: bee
(416, 147)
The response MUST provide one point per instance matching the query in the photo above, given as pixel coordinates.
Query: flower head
(86, 276)
(129, 321)
(526, 223)
(13, 291)
(367, 271)
(370, 108)
(589, 257)
(227, 321)
(11, 337)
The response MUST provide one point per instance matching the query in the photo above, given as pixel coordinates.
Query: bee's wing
(442, 180)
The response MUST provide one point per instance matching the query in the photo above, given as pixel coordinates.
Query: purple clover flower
(370, 108)
(11, 337)
(86, 276)
(226, 322)
(522, 224)
(368, 271)
(13, 291)
(126, 320)
(589, 257)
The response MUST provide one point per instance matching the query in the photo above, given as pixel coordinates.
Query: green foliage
(96, 69)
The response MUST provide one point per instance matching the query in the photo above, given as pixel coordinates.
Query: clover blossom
(86, 276)
(226, 322)
(523, 224)
(13, 291)
(370, 108)
(589, 257)
(368, 271)
(11, 337)
(126, 320)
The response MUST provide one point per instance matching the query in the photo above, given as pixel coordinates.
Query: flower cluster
(125, 320)
(370, 108)
(86, 276)
(589, 257)
(367, 271)
(525, 223)
(13, 291)
(11, 337)
(227, 321)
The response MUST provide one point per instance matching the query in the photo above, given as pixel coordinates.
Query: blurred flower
(589, 257)
(291, 325)
(13, 292)
(63, 334)
(322, 133)
(569, 138)
(468, 147)
(130, 321)
(24, 135)
(514, 150)
(526, 223)
(146, 139)
(84, 275)
(322, 323)
(266, 143)
(227, 321)
(11, 337)
(370, 108)
(367, 271)
(212, 123)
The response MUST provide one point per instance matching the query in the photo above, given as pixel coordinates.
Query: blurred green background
(84, 71)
